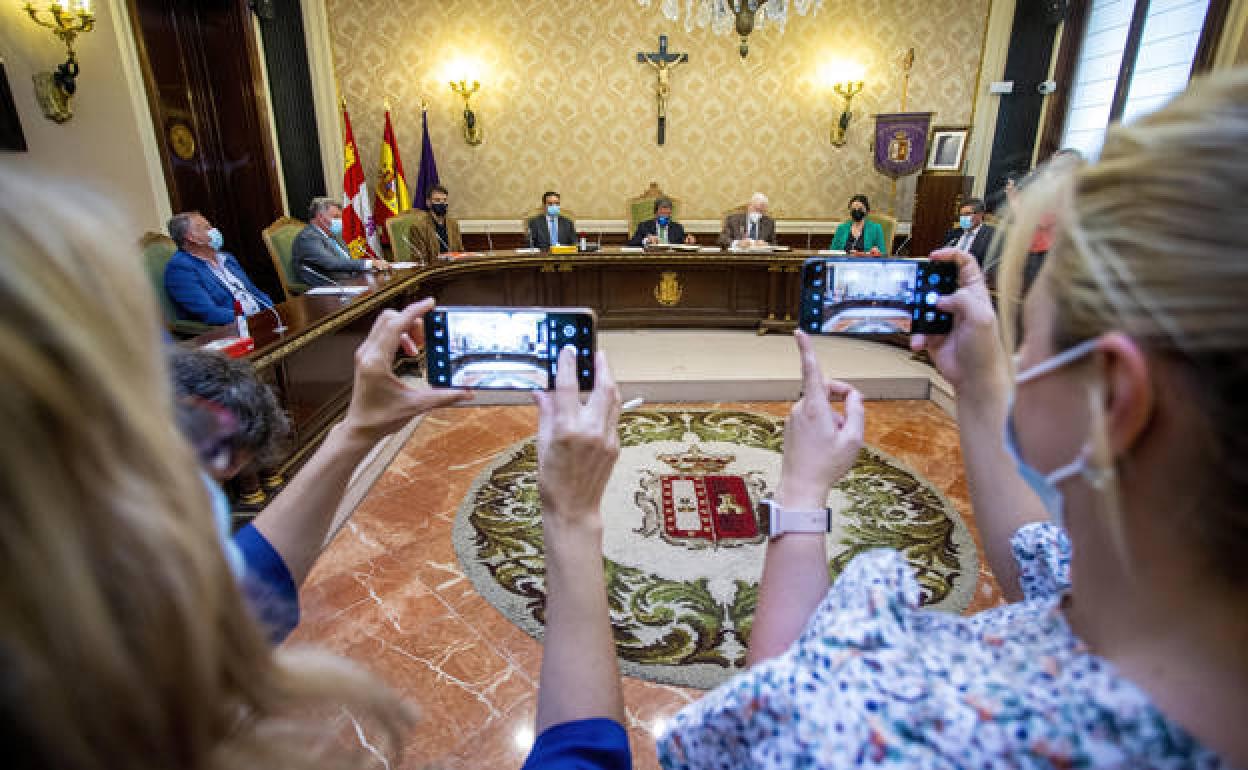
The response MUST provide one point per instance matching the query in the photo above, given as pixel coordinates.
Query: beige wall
(109, 144)
(565, 105)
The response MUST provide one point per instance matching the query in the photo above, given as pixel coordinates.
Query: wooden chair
(278, 239)
(641, 208)
(889, 225)
(399, 227)
(158, 249)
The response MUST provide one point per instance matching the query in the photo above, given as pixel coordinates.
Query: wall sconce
(745, 12)
(53, 90)
(472, 129)
(845, 78)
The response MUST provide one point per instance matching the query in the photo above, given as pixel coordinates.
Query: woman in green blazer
(857, 235)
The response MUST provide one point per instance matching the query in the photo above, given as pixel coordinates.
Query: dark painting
(11, 137)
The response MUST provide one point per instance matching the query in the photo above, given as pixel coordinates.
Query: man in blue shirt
(204, 282)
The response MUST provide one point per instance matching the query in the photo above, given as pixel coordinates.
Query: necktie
(964, 242)
(554, 231)
(753, 230)
(662, 233)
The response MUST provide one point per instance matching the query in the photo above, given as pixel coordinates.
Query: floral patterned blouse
(874, 681)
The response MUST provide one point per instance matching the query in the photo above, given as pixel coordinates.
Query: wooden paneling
(936, 202)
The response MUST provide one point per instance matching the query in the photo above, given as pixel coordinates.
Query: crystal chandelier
(737, 15)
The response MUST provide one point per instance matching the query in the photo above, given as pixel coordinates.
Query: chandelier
(737, 15)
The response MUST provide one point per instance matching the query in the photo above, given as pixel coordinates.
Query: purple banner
(901, 142)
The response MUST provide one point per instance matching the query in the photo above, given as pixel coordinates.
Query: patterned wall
(565, 105)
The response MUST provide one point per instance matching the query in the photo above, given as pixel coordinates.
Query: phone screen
(876, 296)
(506, 348)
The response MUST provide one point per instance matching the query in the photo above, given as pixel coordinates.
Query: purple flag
(901, 142)
(428, 175)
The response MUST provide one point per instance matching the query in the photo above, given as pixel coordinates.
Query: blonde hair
(126, 642)
(1148, 241)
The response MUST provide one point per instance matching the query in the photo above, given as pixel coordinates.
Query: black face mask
(858, 214)
(438, 208)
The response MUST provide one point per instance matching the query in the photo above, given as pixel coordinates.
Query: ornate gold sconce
(745, 11)
(472, 128)
(848, 90)
(53, 90)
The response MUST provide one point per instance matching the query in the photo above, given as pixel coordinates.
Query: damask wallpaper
(565, 104)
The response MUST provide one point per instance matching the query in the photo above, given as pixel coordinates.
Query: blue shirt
(585, 744)
(267, 586)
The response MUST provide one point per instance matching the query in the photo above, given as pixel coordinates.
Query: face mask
(1046, 486)
(858, 214)
(221, 513)
(965, 222)
(755, 216)
(335, 226)
(215, 239)
(552, 210)
(438, 208)
(664, 220)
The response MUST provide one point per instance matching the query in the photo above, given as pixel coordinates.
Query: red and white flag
(359, 231)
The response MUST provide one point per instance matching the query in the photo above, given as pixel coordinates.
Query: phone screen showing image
(876, 296)
(506, 348)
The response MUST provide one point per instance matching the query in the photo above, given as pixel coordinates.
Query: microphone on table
(808, 239)
(904, 243)
(281, 327)
(341, 295)
(489, 238)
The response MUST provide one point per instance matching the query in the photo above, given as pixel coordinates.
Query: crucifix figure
(663, 63)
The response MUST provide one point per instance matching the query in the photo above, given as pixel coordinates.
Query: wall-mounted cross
(663, 63)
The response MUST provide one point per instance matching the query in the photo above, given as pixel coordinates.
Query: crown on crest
(694, 460)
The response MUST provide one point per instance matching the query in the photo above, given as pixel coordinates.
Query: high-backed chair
(641, 208)
(888, 225)
(399, 228)
(278, 239)
(158, 249)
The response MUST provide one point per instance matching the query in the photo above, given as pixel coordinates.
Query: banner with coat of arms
(901, 142)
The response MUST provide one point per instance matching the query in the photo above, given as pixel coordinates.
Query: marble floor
(389, 592)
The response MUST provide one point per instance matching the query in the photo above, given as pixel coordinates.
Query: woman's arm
(840, 236)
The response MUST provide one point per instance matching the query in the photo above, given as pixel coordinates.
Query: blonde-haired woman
(1115, 504)
(123, 638)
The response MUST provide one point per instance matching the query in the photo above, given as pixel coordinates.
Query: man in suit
(751, 228)
(549, 228)
(661, 229)
(433, 232)
(320, 247)
(971, 235)
(202, 280)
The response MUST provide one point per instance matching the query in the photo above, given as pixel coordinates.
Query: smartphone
(507, 348)
(876, 296)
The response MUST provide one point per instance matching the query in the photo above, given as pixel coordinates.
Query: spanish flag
(392, 197)
(359, 231)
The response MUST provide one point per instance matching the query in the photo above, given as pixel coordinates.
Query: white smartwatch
(776, 520)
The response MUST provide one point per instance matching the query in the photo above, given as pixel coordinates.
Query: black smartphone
(876, 296)
(506, 348)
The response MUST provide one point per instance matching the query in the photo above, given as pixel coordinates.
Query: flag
(359, 231)
(428, 175)
(392, 197)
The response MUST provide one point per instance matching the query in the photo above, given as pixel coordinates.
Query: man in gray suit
(749, 229)
(319, 246)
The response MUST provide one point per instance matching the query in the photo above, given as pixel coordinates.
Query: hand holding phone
(500, 348)
(876, 296)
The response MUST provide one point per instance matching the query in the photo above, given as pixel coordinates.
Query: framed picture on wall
(11, 137)
(948, 147)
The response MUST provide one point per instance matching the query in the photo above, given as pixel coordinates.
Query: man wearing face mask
(972, 235)
(203, 281)
(433, 232)
(661, 229)
(749, 229)
(319, 246)
(550, 228)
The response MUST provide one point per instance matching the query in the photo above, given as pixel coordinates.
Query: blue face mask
(1046, 485)
(221, 512)
(664, 220)
(966, 222)
(552, 210)
(335, 226)
(215, 239)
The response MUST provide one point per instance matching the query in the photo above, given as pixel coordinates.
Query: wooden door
(936, 202)
(205, 87)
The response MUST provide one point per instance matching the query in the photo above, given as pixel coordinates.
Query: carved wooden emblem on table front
(669, 291)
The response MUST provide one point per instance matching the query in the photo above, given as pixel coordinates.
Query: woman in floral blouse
(1108, 480)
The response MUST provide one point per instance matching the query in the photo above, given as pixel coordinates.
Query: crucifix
(663, 63)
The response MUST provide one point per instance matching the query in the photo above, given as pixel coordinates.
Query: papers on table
(405, 265)
(709, 250)
(632, 249)
(831, 252)
(529, 250)
(350, 290)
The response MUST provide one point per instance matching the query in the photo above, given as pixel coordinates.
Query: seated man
(432, 232)
(749, 229)
(971, 235)
(204, 282)
(661, 229)
(318, 252)
(549, 228)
